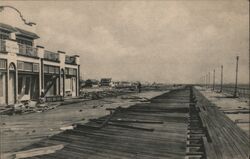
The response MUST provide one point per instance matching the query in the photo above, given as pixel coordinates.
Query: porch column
(16, 88)
(78, 81)
(7, 82)
(64, 84)
(42, 75)
(60, 87)
(40, 53)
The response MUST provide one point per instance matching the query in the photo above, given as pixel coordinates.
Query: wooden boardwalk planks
(167, 140)
(228, 140)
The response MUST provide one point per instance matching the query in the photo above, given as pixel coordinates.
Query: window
(4, 35)
(35, 67)
(27, 85)
(12, 67)
(57, 70)
(24, 41)
(20, 65)
(67, 71)
(46, 69)
(71, 71)
(75, 71)
(2, 64)
(51, 69)
(27, 66)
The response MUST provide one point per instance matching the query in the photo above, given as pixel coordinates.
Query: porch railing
(27, 50)
(70, 60)
(51, 56)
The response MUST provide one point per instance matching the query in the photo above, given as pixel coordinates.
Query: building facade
(27, 70)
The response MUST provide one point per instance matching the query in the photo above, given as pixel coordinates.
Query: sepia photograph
(124, 79)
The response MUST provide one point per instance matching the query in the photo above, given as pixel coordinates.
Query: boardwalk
(178, 124)
(153, 130)
(19, 131)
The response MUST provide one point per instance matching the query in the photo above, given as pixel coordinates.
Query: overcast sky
(166, 41)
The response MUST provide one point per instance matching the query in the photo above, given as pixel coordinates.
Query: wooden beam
(37, 151)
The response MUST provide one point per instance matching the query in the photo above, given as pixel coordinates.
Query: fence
(27, 50)
(70, 60)
(51, 55)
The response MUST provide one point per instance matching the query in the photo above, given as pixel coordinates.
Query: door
(2, 88)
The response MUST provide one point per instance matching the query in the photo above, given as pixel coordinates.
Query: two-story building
(28, 70)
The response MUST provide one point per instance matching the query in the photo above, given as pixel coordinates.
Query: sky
(171, 41)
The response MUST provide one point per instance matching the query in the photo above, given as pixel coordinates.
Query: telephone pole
(221, 79)
(213, 79)
(236, 77)
(208, 79)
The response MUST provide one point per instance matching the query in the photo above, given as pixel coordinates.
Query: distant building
(28, 70)
(106, 82)
(123, 84)
(91, 83)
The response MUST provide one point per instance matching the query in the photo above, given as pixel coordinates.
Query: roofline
(26, 33)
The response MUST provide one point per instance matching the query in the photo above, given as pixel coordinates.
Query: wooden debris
(36, 152)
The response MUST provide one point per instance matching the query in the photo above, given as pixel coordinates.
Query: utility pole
(236, 78)
(221, 79)
(204, 80)
(208, 79)
(213, 79)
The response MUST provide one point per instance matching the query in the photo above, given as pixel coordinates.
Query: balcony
(2, 46)
(51, 56)
(27, 50)
(70, 60)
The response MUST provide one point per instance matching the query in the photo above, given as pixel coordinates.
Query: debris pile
(27, 106)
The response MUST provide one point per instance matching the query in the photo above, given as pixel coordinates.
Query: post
(208, 79)
(236, 78)
(213, 79)
(221, 79)
(205, 82)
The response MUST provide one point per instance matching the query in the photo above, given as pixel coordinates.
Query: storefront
(28, 81)
(70, 82)
(51, 80)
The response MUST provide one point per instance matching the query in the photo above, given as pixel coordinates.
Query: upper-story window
(26, 46)
(25, 41)
(4, 35)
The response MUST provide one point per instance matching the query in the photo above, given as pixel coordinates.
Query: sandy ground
(230, 104)
(19, 131)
